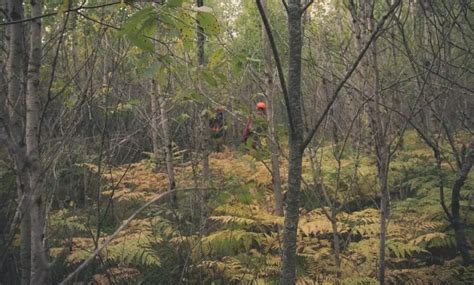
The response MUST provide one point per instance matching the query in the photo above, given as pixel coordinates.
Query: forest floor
(234, 237)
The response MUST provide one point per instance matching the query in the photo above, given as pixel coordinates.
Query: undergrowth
(235, 238)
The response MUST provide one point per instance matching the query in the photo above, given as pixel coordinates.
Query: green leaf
(174, 3)
(140, 26)
(187, 30)
(135, 22)
(209, 78)
(237, 66)
(208, 22)
(216, 58)
(196, 97)
(141, 42)
(221, 77)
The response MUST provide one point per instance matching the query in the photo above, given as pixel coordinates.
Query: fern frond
(435, 240)
(403, 250)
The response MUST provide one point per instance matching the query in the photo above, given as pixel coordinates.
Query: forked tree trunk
(273, 143)
(295, 142)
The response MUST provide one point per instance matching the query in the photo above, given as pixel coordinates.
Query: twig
(55, 13)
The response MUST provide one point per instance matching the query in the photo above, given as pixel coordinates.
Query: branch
(281, 76)
(349, 74)
(306, 6)
(114, 235)
(55, 13)
(285, 5)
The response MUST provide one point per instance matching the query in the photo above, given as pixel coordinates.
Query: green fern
(403, 250)
(435, 240)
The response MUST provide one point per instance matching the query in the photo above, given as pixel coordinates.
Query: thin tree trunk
(39, 264)
(159, 104)
(205, 130)
(295, 142)
(155, 128)
(273, 143)
(168, 146)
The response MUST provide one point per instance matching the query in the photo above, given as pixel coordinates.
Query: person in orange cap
(260, 120)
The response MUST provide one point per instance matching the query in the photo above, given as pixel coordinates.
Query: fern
(360, 281)
(435, 240)
(228, 242)
(226, 220)
(403, 250)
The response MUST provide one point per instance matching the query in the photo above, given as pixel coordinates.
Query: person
(216, 125)
(255, 126)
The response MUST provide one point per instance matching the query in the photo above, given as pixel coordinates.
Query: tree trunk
(39, 264)
(457, 223)
(363, 26)
(159, 103)
(273, 140)
(205, 129)
(168, 147)
(155, 128)
(17, 150)
(295, 142)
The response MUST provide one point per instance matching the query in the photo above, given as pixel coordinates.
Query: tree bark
(155, 128)
(168, 147)
(205, 129)
(160, 105)
(457, 223)
(273, 140)
(295, 142)
(17, 148)
(39, 264)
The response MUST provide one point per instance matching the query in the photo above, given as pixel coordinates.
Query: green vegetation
(240, 239)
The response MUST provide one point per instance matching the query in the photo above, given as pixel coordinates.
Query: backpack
(216, 125)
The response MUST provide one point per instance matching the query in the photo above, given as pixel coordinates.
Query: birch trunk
(39, 264)
(168, 147)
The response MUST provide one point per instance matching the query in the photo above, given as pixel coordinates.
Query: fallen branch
(114, 235)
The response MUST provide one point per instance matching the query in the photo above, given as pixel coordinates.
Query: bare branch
(124, 224)
(373, 36)
(281, 76)
(285, 5)
(306, 6)
(55, 13)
